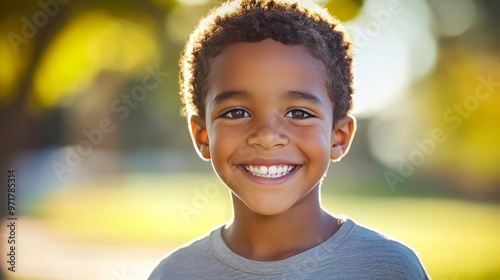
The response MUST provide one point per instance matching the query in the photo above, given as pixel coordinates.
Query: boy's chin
(268, 209)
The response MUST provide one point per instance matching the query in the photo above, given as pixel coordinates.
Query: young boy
(267, 87)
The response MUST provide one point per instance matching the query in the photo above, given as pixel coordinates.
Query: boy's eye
(297, 114)
(236, 114)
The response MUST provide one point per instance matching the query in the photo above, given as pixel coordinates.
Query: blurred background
(107, 181)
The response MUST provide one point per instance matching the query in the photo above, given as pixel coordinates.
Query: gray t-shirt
(353, 252)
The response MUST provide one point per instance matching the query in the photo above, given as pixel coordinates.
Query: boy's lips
(287, 171)
(269, 171)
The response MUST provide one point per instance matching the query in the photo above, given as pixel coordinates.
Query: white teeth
(263, 170)
(273, 171)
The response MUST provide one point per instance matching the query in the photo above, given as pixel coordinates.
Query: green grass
(455, 239)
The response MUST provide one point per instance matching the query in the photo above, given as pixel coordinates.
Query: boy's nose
(268, 136)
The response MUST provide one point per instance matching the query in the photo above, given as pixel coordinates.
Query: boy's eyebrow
(233, 94)
(311, 98)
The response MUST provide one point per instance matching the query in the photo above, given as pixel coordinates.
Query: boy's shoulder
(353, 252)
(185, 260)
(381, 254)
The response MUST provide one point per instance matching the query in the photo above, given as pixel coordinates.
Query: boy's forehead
(263, 49)
(266, 63)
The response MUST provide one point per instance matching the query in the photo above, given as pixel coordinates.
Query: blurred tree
(462, 97)
(49, 49)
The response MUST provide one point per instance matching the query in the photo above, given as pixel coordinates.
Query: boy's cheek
(317, 136)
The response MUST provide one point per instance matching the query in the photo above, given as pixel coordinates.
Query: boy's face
(268, 128)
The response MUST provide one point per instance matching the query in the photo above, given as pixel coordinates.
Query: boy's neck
(271, 238)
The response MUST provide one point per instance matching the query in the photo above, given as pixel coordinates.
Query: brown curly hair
(291, 23)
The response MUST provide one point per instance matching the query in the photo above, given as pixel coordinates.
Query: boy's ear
(198, 130)
(342, 135)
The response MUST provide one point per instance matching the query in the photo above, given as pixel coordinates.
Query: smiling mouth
(272, 171)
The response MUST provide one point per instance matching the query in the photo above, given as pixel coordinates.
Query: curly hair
(291, 23)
